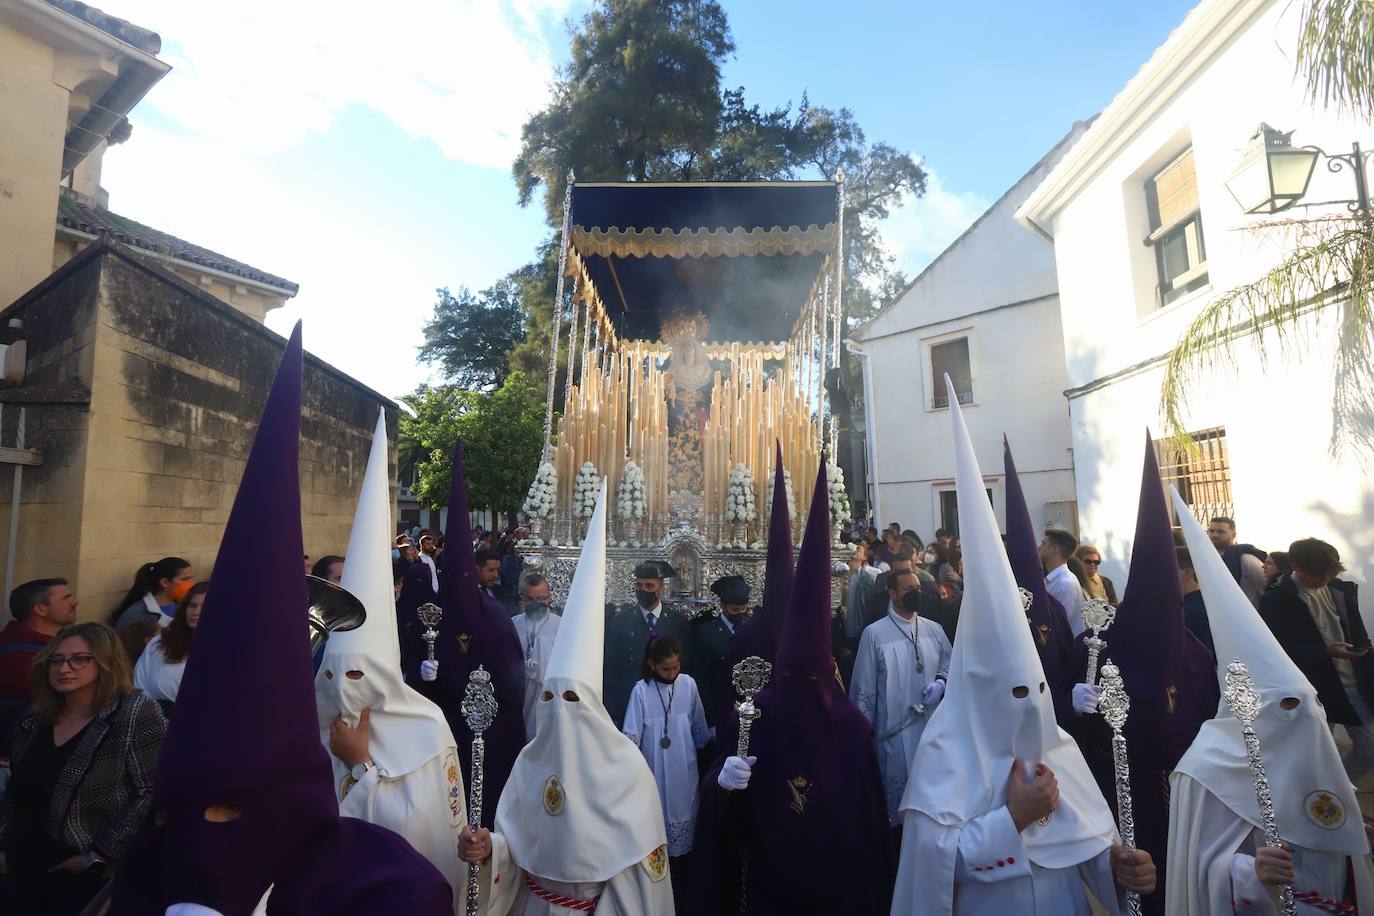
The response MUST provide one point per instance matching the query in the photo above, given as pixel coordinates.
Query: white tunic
(993, 874)
(674, 767)
(1063, 585)
(158, 678)
(536, 640)
(643, 889)
(887, 687)
(425, 806)
(1212, 864)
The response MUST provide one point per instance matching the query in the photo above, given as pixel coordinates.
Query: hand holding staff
(1114, 705)
(430, 614)
(479, 711)
(1244, 700)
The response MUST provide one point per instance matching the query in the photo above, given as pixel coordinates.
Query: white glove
(429, 671)
(933, 693)
(734, 775)
(1085, 698)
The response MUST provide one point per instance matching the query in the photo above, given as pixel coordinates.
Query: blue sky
(365, 155)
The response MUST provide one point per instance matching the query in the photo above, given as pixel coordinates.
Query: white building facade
(1145, 234)
(986, 312)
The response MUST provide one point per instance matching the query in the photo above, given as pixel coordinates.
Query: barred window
(1202, 476)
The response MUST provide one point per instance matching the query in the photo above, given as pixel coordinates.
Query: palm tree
(1331, 268)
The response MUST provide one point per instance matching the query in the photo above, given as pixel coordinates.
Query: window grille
(1202, 477)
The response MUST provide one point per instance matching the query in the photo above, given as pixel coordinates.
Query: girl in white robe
(160, 667)
(667, 722)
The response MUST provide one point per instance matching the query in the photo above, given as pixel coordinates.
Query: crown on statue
(684, 326)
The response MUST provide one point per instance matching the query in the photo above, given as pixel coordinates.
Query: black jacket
(1291, 622)
(105, 790)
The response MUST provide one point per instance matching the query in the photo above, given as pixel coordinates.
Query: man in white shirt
(537, 626)
(899, 678)
(1056, 548)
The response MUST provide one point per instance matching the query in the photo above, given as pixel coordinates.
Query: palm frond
(1332, 269)
(1336, 54)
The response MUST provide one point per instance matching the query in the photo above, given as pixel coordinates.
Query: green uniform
(627, 636)
(710, 647)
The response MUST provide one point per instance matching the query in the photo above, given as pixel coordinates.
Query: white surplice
(887, 685)
(675, 767)
(1063, 585)
(406, 804)
(536, 641)
(158, 678)
(1212, 864)
(994, 874)
(643, 889)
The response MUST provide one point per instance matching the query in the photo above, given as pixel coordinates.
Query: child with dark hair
(667, 722)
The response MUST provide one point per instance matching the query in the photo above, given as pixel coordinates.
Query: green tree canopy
(502, 433)
(470, 336)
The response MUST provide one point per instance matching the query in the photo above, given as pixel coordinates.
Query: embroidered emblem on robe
(798, 786)
(655, 864)
(553, 796)
(455, 787)
(1324, 809)
(463, 640)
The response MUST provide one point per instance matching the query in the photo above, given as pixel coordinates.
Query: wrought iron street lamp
(1274, 174)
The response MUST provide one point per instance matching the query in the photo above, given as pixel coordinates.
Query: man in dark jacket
(1315, 617)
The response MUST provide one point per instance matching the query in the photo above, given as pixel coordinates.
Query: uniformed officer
(710, 646)
(628, 633)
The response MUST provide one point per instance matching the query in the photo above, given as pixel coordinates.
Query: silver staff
(1114, 706)
(1097, 616)
(479, 711)
(430, 614)
(749, 676)
(1244, 701)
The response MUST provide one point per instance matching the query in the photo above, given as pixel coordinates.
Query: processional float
(698, 323)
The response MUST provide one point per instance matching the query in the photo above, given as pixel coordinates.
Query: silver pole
(563, 242)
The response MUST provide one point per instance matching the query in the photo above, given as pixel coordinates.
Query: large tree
(471, 335)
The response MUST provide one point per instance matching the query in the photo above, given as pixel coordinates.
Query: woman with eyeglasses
(1096, 584)
(82, 774)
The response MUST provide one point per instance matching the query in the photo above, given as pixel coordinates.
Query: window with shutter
(1176, 228)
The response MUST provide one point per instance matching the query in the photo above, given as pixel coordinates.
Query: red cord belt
(571, 903)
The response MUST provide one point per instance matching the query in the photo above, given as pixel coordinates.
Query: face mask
(912, 600)
(179, 590)
(646, 599)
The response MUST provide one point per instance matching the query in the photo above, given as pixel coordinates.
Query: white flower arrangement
(585, 490)
(787, 487)
(739, 496)
(839, 498)
(539, 500)
(630, 498)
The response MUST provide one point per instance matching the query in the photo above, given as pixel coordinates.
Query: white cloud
(465, 73)
(920, 229)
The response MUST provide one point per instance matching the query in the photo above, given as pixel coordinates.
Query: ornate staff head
(479, 702)
(1098, 615)
(1241, 694)
(1113, 702)
(430, 614)
(749, 677)
(1027, 599)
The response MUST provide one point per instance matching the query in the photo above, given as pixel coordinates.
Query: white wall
(1277, 420)
(995, 284)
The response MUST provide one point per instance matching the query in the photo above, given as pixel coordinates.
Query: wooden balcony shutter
(1175, 188)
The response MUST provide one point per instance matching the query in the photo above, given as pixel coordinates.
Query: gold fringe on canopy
(703, 243)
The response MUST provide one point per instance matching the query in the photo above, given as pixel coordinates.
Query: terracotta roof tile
(82, 216)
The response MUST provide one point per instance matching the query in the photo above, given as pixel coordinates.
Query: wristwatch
(360, 770)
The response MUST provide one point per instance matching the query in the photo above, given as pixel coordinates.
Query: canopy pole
(578, 307)
(563, 242)
(838, 303)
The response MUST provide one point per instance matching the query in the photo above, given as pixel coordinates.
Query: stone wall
(174, 381)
